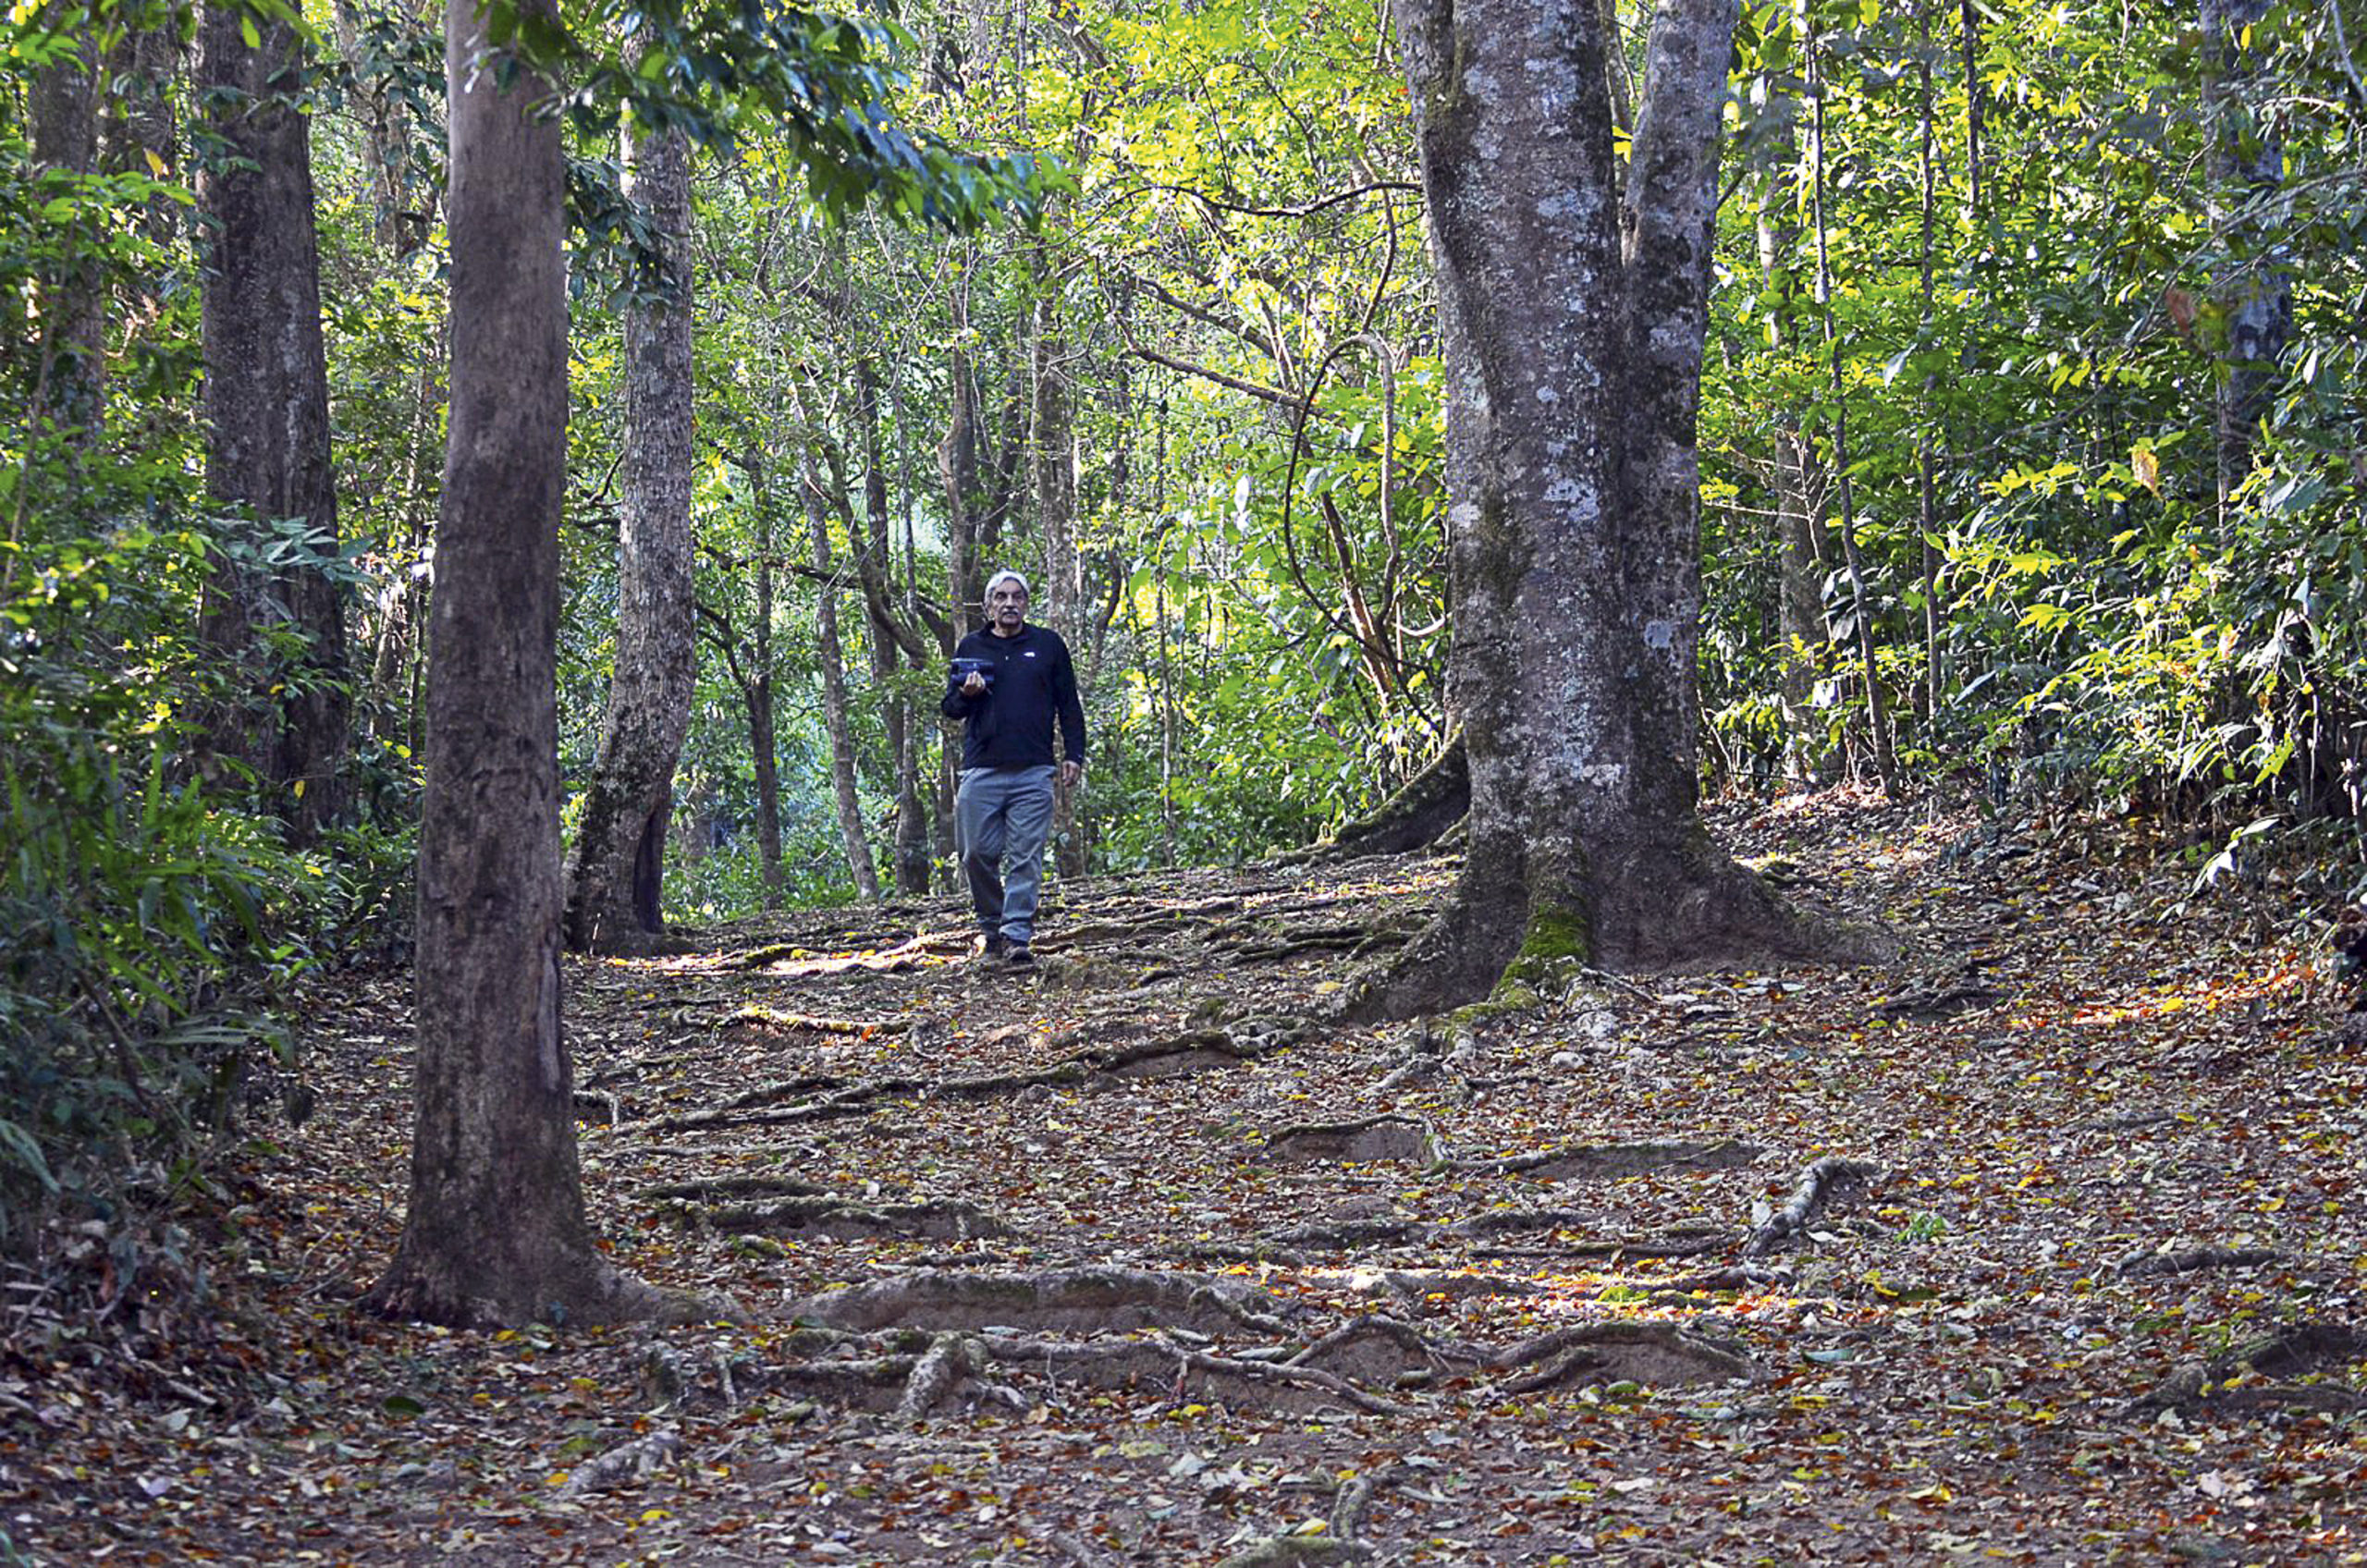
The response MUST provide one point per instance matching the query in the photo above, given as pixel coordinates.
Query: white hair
(1006, 575)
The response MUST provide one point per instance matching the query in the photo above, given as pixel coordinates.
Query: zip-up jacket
(1032, 684)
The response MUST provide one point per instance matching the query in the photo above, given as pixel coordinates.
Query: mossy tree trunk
(1573, 322)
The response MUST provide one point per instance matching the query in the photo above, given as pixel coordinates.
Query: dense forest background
(2031, 441)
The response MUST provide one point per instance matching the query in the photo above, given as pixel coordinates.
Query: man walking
(1011, 683)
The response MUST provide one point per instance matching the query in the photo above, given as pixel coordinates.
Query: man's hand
(1072, 774)
(973, 685)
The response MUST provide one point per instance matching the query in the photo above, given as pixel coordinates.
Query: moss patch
(1559, 943)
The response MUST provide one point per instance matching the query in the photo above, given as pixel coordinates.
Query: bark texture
(267, 417)
(615, 872)
(2247, 165)
(495, 1230)
(62, 113)
(1573, 324)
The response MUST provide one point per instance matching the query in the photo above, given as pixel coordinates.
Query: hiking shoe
(1018, 957)
(992, 946)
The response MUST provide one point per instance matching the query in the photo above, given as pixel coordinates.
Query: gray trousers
(1001, 817)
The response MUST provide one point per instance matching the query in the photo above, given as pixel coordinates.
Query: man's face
(1006, 607)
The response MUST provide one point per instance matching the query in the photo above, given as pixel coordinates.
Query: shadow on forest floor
(2042, 1244)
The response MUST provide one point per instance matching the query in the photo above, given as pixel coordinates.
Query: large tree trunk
(267, 415)
(1573, 358)
(495, 1230)
(615, 875)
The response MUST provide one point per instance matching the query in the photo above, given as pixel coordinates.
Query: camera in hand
(964, 668)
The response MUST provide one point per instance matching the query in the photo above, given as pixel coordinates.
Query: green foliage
(127, 901)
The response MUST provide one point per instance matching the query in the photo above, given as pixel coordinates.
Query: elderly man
(1011, 683)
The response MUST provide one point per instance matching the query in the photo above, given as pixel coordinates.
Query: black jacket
(1034, 683)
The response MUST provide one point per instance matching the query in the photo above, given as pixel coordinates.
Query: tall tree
(496, 1230)
(63, 115)
(831, 651)
(267, 422)
(1572, 323)
(2246, 165)
(615, 872)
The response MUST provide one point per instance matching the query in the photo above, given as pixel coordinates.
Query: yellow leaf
(155, 163)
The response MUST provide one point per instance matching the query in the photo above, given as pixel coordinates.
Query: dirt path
(2041, 1245)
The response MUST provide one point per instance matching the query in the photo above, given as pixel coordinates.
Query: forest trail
(2042, 1244)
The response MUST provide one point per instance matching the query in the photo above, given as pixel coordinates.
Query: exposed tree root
(755, 1015)
(627, 1462)
(578, 1289)
(1655, 1354)
(1385, 1136)
(938, 1220)
(1442, 1285)
(1415, 817)
(1580, 1161)
(796, 960)
(1819, 1184)
(1185, 1372)
(1282, 1551)
(1355, 939)
(1200, 1049)
(1347, 1235)
(1739, 1276)
(715, 1187)
(1381, 1350)
(2242, 1381)
(1071, 1301)
(1350, 1235)
(2192, 1258)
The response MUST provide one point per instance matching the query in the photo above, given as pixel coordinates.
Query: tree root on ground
(2245, 1380)
(1382, 1350)
(910, 1383)
(1356, 940)
(1244, 1041)
(1067, 1300)
(940, 1219)
(1654, 1354)
(1578, 1161)
(2191, 1258)
(1415, 817)
(1386, 1136)
(1819, 1184)
(715, 1187)
(634, 1461)
(755, 1015)
(1348, 1235)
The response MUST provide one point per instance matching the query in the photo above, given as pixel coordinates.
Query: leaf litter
(2038, 1244)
